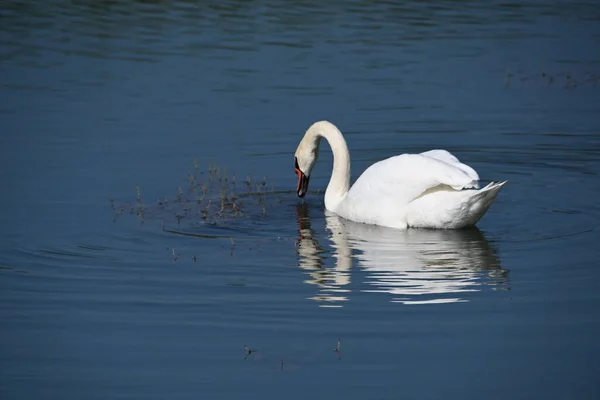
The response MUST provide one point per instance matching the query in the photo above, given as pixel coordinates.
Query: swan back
(449, 158)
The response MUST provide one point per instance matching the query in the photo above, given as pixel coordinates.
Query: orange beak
(302, 187)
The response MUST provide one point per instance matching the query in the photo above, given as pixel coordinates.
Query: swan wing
(403, 178)
(449, 158)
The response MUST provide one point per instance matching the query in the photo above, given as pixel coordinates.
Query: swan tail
(481, 201)
(491, 189)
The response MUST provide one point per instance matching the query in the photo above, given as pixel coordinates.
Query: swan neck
(339, 184)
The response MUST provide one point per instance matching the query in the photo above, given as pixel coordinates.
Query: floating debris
(249, 351)
(337, 349)
(565, 79)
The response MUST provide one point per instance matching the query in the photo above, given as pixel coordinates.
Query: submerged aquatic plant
(543, 77)
(209, 198)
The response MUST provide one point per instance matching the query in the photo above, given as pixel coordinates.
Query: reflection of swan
(427, 190)
(415, 266)
(312, 256)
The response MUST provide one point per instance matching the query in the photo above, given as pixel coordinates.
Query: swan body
(427, 190)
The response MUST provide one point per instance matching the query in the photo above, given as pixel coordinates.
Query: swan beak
(302, 181)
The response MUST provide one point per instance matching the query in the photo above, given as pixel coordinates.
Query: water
(107, 295)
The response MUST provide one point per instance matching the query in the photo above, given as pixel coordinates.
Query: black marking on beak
(303, 180)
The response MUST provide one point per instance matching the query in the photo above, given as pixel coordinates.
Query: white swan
(427, 190)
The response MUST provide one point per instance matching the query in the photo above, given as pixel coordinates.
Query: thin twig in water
(249, 351)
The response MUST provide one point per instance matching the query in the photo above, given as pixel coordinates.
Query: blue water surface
(149, 227)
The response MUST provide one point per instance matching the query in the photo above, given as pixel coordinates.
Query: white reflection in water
(415, 266)
(332, 282)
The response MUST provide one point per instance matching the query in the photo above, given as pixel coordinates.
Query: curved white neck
(339, 184)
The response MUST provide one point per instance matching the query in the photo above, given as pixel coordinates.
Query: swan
(427, 190)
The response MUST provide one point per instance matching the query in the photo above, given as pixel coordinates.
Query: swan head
(304, 160)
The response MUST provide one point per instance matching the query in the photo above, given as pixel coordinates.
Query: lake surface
(129, 130)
